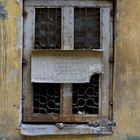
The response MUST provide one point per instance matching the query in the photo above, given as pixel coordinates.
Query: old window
(67, 77)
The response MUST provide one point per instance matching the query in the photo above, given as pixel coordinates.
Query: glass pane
(48, 28)
(87, 28)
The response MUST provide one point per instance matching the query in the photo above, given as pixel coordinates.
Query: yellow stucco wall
(126, 81)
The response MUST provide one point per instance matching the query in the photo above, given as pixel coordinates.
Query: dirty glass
(87, 28)
(46, 98)
(48, 28)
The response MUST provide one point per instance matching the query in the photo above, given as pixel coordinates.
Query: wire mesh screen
(86, 97)
(46, 98)
(87, 28)
(48, 28)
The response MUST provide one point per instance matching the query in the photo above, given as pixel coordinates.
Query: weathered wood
(68, 28)
(111, 67)
(36, 130)
(106, 29)
(67, 99)
(60, 118)
(62, 3)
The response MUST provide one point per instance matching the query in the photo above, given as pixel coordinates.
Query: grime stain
(3, 13)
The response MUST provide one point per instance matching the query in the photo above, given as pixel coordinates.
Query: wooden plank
(40, 130)
(82, 52)
(29, 21)
(106, 28)
(62, 3)
(111, 68)
(67, 99)
(61, 118)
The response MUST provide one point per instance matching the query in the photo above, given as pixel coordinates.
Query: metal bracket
(24, 61)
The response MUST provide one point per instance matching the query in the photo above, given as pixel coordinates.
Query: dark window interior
(86, 97)
(46, 98)
(87, 28)
(48, 28)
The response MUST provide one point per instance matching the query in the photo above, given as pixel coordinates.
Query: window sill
(66, 129)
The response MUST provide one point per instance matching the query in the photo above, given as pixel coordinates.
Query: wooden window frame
(106, 49)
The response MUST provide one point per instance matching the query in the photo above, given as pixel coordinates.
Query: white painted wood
(106, 28)
(67, 99)
(29, 22)
(68, 28)
(62, 3)
(67, 44)
(60, 68)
